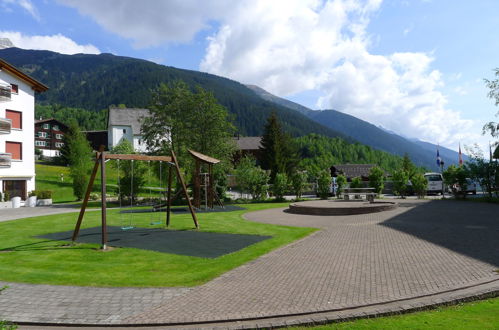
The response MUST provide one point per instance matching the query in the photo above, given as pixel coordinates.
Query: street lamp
(442, 172)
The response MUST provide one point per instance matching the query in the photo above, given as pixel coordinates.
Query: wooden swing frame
(100, 160)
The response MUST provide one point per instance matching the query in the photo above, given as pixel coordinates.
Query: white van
(435, 183)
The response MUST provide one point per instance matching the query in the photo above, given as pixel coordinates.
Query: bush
(6, 196)
(280, 186)
(377, 179)
(299, 182)
(419, 184)
(251, 178)
(324, 184)
(400, 180)
(44, 194)
(341, 182)
(356, 182)
(455, 177)
(32, 193)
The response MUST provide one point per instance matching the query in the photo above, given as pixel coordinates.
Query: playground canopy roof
(204, 158)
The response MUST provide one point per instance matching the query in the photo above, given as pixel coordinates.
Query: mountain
(94, 82)
(421, 153)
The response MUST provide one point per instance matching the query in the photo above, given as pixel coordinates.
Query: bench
(368, 192)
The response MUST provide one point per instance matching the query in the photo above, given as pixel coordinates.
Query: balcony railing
(5, 125)
(5, 92)
(5, 159)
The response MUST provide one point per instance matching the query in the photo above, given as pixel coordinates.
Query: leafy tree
(408, 166)
(455, 177)
(486, 173)
(356, 182)
(299, 182)
(419, 184)
(277, 151)
(377, 179)
(86, 119)
(252, 178)
(183, 119)
(131, 173)
(280, 186)
(341, 182)
(79, 157)
(324, 184)
(400, 181)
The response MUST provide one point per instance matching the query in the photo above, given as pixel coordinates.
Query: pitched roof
(248, 142)
(353, 170)
(41, 121)
(203, 158)
(35, 84)
(127, 117)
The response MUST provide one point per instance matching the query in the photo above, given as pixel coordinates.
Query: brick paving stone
(394, 261)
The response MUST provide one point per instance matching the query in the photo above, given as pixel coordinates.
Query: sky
(414, 67)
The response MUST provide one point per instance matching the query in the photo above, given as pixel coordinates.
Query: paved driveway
(421, 249)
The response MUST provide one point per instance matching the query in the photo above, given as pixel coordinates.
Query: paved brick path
(420, 249)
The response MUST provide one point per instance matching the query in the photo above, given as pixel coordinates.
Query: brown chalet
(247, 145)
(352, 170)
(48, 136)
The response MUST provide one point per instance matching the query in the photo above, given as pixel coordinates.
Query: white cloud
(25, 4)
(57, 43)
(151, 23)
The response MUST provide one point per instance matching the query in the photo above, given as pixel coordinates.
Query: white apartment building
(17, 127)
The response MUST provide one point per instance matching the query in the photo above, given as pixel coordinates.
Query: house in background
(17, 129)
(125, 123)
(247, 146)
(352, 170)
(48, 136)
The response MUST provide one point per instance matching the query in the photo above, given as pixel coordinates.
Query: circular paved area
(340, 207)
(420, 253)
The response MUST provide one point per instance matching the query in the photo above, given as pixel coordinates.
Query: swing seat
(127, 227)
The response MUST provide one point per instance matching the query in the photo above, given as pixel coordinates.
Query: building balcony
(5, 125)
(5, 92)
(5, 159)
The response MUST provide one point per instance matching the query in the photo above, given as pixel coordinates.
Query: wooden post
(169, 196)
(103, 199)
(210, 189)
(197, 185)
(186, 194)
(87, 194)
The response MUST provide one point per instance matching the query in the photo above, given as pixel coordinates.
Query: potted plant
(32, 198)
(44, 197)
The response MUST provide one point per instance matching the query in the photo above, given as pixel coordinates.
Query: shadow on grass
(36, 246)
(468, 228)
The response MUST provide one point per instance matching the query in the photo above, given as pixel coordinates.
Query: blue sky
(413, 67)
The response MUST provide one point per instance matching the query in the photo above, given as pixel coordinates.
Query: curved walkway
(422, 253)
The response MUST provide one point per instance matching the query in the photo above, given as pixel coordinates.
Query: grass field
(33, 260)
(475, 315)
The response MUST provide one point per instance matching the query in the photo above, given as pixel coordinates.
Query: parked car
(435, 183)
(470, 187)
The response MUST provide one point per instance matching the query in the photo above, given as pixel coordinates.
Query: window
(59, 144)
(55, 127)
(46, 126)
(16, 117)
(14, 148)
(14, 88)
(42, 135)
(40, 143)
(58, 136)
(124, 130)
(47, 144)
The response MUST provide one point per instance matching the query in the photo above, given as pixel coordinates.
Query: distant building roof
(42, 121)
(352, 170)
(248, 142)
(127, 117)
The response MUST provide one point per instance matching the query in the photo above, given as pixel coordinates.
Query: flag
(460, 156)
(439, 160)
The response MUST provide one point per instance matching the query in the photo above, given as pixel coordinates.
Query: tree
(251, 178)
(455, 177)
(79, 157)
(278, 153)
(400, 180)
(486, 173)
(377, 179)
(341, 182)
(280, 186)
(182, 119)
(408, 166)
(420, 185)
(356, 182)
(324, 184)
(493, 127)
(131, 173)
(299, 182)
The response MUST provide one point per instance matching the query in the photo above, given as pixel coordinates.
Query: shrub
(44, 194)
(455, 177)
(377, 179)
(298, 182)
(341, 182)
(280, 186)
(419, 184)
(324, 184)
(6, 196)
(32, 193)
(1, 197)
(400, 180)
(356, 182)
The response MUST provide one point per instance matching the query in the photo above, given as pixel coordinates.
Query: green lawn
(475, 315)
(31, 260)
